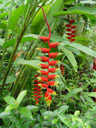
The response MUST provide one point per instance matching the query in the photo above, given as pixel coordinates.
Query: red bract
(44, 66)
(73, 27)
(45, 50)
(52, 76)
(44, 59)
(42, 78)
(43, 85)
(54, 45)
(51, 83)
(94, 64)
(69, 34)
(53, 62)
(68, 37)
(68, 29)
(43, 72)
(68, 25)
(44, 38)
(52, 70)
(71, 21)
(52, 92)
(73, 31)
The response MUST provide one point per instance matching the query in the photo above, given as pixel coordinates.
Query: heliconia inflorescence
(37, 90)
(71, 30)
(48, 80)
(94, 68)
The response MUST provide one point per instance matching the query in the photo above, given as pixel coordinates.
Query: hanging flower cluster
(62, 69)
(47, 79)
(71, 30)
(37, 90)
(94, 64)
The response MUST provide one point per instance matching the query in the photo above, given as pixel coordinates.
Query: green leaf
(10, 100)
(4, 114)
(65, 120)
(71, 58)
(88, 2)
(21, 96)
(15, 15)
(79, 10)
(91, 94)
(25, 112)
(2, 15)
(26, 38)
(62, 109)
(10, 107)
(32, 108)
(73, 92)
(39, 16)
(84, 49)
(54, 121)
(10, 79)
(30, 63)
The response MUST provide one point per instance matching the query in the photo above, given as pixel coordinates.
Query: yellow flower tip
(57, 76)
(37, 57)
(37, 48)
(39, 78)
(54, 93)
(56, 83)
(39, 85)
(58, 62)
(57, 69)
(60, 54)
(38, 65)
(38, 71)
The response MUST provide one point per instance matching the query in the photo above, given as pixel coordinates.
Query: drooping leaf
(10, 79)
(25, 112)
(71, 58)
(15, 15)
(73, 92)
(30, 63)
(10, 100)
(21, 96)
(26, 38)
(84, 49)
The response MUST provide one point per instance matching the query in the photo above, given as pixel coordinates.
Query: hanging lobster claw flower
(50, 91)
(44, 50)
(53, 55)
(48, 98)
(43, 66)
(94, 64)
(54, 45)
(52, 76)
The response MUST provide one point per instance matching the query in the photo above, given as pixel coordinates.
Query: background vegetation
(21, 23)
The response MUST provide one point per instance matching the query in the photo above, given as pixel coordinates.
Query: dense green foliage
(21, 23)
